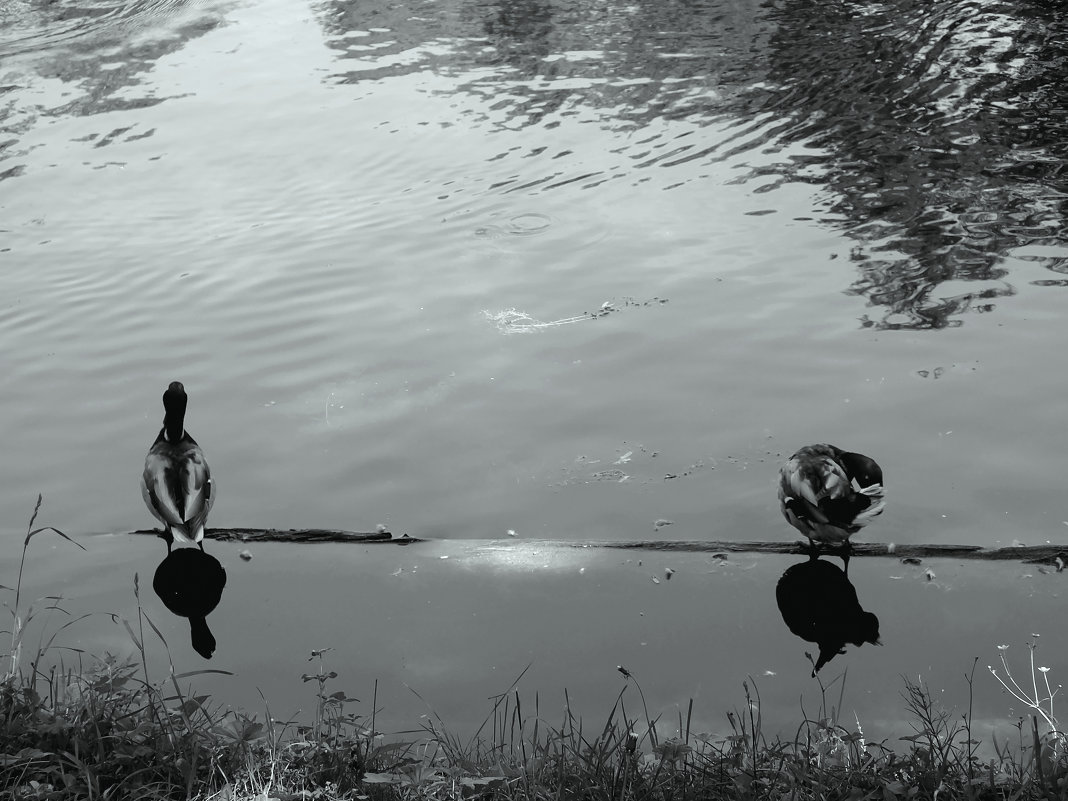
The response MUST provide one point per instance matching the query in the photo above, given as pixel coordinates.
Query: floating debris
(911, 560)
(660, 523)
(610, 475)
(668, 573)
(246, 555)
(929, 574)
(513, 321)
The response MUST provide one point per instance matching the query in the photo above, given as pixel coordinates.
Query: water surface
(564, 269)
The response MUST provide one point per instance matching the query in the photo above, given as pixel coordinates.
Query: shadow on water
(934, 134)
(819, 604)
(190, 584)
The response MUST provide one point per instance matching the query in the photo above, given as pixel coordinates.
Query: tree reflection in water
(936, 135)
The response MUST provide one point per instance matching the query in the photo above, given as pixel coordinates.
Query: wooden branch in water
(1044, 554)
(296, 535)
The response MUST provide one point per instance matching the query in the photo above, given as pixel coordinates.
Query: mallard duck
(177, 484)
(829, 494)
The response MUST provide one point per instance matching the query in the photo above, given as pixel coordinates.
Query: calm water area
(495, 273)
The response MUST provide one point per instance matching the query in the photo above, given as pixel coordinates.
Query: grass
(103, 728)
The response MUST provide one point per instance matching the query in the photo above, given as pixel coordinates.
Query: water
(376, 243)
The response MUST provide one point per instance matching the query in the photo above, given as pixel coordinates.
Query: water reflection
(190, 584)
(938, 132)
(102, 51)
(536, 62)
(934, 133)
(819, 604)
(27, 26)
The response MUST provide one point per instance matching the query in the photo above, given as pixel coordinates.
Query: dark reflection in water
(936, 134)
(536, 61)
(941, 131)
(190, 584)
(30, 26)
(104, 48)
(819, 604)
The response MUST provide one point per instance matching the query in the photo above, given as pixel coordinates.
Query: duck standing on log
(829, 494)
(177, 484)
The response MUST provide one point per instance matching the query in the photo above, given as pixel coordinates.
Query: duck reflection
(819, 604)
(190, 584)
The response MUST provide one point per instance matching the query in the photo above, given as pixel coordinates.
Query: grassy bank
(74, 727)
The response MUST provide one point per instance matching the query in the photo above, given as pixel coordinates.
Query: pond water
(498, 272)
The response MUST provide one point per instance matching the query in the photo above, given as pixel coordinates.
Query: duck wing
(160, 488)
(178, 488)
(197, 486)
(805, 485)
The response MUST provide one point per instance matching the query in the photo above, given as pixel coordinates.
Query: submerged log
(1054, 555)
(1038, 554)
(296, 535)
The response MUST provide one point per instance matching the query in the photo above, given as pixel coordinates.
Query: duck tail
(181, 534)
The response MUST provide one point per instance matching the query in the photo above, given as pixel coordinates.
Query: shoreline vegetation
(105, 729)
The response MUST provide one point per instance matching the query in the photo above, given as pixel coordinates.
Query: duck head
(866, 630)
(861, 469)
(174, 403)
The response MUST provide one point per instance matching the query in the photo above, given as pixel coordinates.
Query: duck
(176, 484)
(829, 494)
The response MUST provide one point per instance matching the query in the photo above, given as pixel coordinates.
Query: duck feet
(845, 552)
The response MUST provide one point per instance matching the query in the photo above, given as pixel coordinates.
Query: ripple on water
(527, 224)
(533, 232)
(31, 27)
